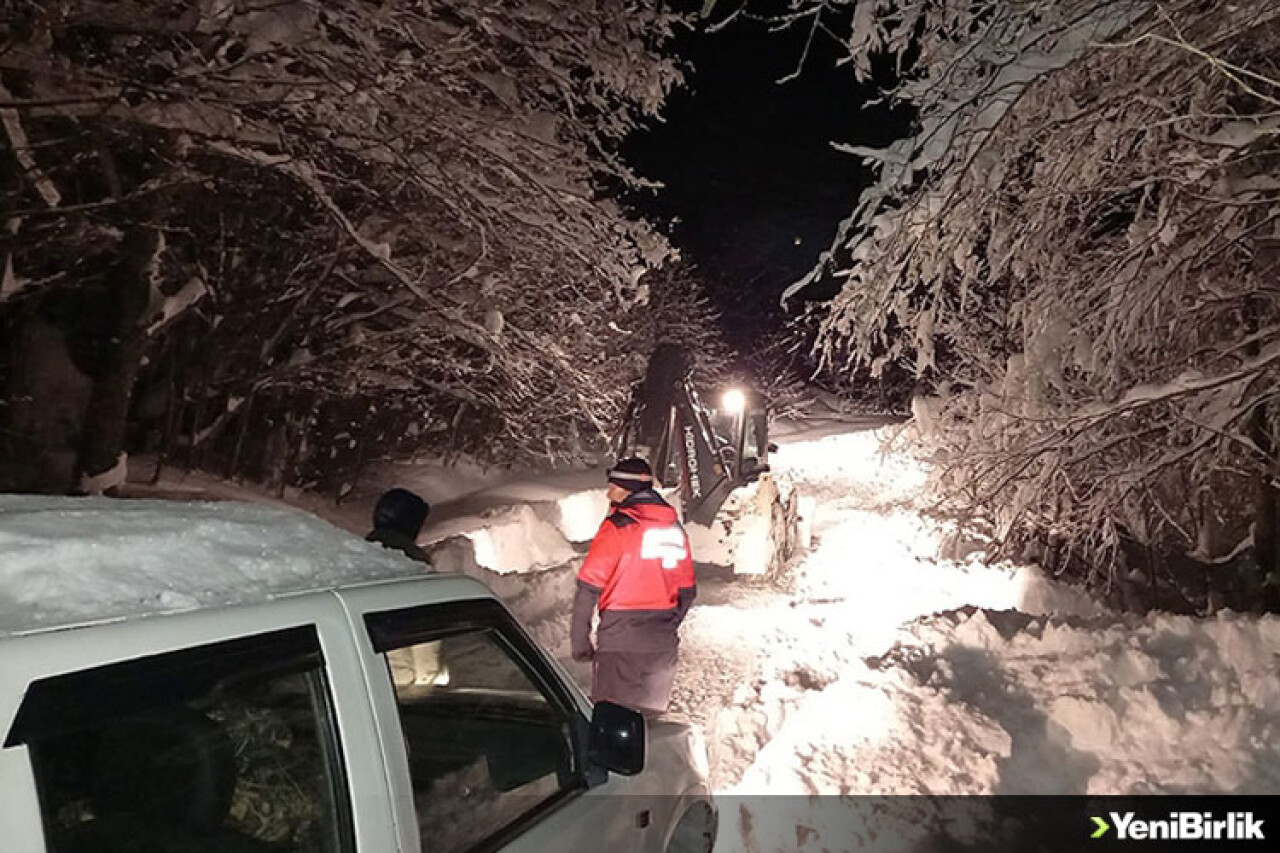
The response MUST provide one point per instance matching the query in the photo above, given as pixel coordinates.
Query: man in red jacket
(639, 573)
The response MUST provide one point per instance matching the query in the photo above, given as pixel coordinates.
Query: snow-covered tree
(1077, 247)
(310, 230)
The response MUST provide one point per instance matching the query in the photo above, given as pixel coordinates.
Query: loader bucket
(755, 533)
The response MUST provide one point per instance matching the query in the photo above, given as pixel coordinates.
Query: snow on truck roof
(71, 561)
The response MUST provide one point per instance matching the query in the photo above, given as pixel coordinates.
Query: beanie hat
(401, 510)
(632, 474)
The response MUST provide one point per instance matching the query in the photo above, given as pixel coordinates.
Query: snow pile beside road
(1000, 702)
(532, 536)
(67, 560)
(579, 514)
(574, 508)
(1036, 593)
(519, 539)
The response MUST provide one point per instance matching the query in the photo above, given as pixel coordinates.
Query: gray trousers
(639, 680)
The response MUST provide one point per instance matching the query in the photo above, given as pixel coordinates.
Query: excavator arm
(707, 470)
(668, 424)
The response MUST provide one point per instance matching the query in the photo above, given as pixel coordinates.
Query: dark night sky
(748, 165)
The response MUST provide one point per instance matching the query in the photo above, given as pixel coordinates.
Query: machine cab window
(738, 425)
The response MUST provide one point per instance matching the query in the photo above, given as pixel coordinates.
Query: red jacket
(640, 567)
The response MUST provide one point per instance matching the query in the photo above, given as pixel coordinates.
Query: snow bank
(876, 563)
(999, 702)
(71, 560)
(532, 535)
(977, 701)
(903, 664)
(524, 525)
(578, 515)
(519, 539)
(1036, 593)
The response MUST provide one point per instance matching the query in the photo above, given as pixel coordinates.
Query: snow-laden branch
(1084, 213)
(1148, 394)
(17, 136)
(170, 307)
(113, 478)
(380, 253)
(416, 180)
(893, 156)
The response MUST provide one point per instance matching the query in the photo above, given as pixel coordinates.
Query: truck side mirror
(617, 739)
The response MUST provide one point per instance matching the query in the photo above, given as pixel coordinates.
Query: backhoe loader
(713, 460)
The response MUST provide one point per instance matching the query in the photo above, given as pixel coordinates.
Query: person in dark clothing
(397, 520)
(639, 574)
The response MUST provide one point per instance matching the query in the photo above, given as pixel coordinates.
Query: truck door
(493, 740)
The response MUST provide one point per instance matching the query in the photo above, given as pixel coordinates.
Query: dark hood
(402, 511)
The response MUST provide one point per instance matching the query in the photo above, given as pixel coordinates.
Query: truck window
(489, 745)
(228, 747)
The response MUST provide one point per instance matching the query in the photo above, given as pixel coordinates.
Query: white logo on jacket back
(665, 544)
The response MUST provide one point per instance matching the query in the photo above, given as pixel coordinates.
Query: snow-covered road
(872, 567)
(893, 661)
(1016, 685)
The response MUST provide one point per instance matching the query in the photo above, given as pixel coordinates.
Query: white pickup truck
(180, 678)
